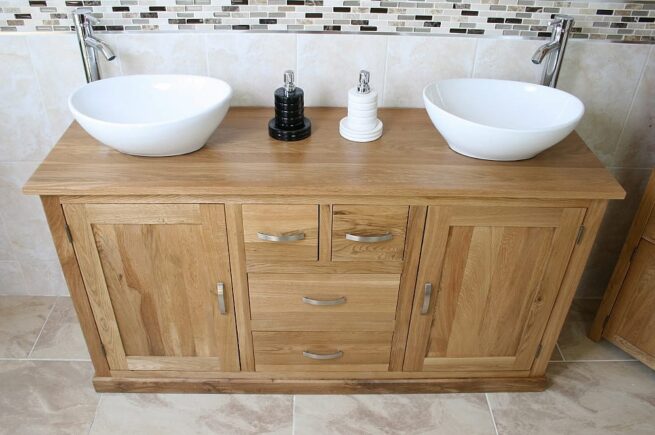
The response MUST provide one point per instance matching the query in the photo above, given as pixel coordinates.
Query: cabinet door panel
(632, 323)
(495, 273)
(153, 274)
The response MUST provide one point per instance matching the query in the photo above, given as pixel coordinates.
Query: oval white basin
(500, 119)
(152, 115)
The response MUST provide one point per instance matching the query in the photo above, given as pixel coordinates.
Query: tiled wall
(619, 21)
(38, 71)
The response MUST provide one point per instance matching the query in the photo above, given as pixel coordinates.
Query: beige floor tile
(161, 414)
(62, 336)
(46, 397)
(21, 320)
(573, 340)
(393, 414)
(584, 398)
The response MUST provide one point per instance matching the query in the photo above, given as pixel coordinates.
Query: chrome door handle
(311, 301)
(220, 287)
(285, 238)
(369, 239)
(427, 295)
(322, 356)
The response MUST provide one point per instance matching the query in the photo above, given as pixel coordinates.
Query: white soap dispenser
(362, 123)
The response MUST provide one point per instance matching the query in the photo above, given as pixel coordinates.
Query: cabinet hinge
(580, 235)
(69, 235)
(536, 355)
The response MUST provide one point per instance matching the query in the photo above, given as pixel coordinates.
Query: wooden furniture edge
(577, 263)
(64, 247)
(627, 347)
(300, 386)
(623, 264)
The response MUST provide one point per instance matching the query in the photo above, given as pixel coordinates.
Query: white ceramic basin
(500, 119)
(152, 115)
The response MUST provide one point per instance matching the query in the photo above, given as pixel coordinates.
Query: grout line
(475, 60)
(493, 419)
(42, 328)
(560, 351)
(382, 95)
(46, 359)
(95, 414)
(293, 416)
(595, 361)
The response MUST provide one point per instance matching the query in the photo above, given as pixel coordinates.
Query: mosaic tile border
(599, 20)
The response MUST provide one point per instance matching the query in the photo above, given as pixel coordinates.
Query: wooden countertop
(410, 160)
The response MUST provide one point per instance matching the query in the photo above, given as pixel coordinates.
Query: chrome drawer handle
(285, 238)
(369, 239)
(427, 295)
(322, 356)
(221, 297)
(337, 301)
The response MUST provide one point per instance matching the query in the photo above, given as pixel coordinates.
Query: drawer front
(321, 351)
(280, 233)
(368, 233)
(319, 302)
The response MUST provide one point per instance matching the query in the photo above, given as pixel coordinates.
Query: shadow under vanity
(321, 266)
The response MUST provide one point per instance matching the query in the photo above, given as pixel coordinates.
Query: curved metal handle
(322, 356)
(427, 295)
(311, 301)
(221, 297)
(369, 239)
(285, 238)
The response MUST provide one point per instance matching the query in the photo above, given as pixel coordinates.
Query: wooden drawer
(280, 233)
(368, 232)
(649, 232)
(323, 302)
(322, 351)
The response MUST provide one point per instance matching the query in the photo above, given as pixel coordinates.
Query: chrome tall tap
(554, 49)
(89, 44)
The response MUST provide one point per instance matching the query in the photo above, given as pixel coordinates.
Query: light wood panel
(283, 351)
(241, 159)
(280, 220)
(367, 298)
(632, 322)
(494, 286)
(637, 229)
(161, 283)
(367, 220)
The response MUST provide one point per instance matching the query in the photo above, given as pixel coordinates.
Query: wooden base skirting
(304, 386)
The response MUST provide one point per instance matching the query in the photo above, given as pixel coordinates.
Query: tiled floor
(45, 388)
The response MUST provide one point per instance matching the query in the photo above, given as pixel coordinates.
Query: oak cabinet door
(487, 281)
(632, 322)
(158, 281)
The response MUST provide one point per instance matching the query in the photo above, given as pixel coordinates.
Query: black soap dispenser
(289, 123)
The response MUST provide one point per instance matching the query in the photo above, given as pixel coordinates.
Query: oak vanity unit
(323, 265)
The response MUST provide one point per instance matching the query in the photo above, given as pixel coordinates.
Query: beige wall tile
(58, 65)
(584, 398)
(329, 65)
(12, 280)
(604, 77)
(392, 414)
(253, 64)
(24, 128)
(44, 278)
(46, 397)
(636, 148)
(61, 337)
(161, 53)
(21, 320)
(162, 414)
(507, 59)
(414, 62)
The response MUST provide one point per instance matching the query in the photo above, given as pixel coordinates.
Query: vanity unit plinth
(321, 266)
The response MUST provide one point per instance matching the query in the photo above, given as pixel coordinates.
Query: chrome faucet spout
(89, 44)
(543, 51)
(100, 45)
(553, 51)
